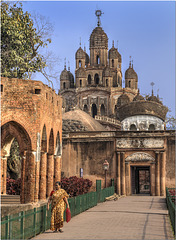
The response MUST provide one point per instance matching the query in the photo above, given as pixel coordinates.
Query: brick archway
(10, 131)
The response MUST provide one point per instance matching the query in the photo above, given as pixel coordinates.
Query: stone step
(10, 199)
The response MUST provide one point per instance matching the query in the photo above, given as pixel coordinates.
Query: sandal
(61, 231)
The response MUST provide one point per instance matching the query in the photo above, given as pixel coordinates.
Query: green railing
(171, 206)
(27, 224)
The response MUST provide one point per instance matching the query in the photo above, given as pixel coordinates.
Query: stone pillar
(57, 169)
(127, 178)
(43, 168)
(162, 171)
(123, 192)
(157, 174)
(2, 175)
(23, 174)
(118, 174)
(152, 179)
(30, 183)
(50, 171)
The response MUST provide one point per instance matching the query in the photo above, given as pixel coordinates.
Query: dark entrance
(140, 180)
(94, 110)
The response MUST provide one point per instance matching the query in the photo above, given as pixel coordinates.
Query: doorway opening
(140, 179)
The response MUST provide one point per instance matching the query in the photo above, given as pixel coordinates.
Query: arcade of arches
(34, 120)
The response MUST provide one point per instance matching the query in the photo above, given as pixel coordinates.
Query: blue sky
(144, 30)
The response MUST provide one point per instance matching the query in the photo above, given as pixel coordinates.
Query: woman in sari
(58, 199)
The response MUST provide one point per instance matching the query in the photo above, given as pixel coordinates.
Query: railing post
(10, 227)
(22, 224)
(34, 221)
(44, 218)
(7, 227)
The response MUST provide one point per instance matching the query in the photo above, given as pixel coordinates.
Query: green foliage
(20, 42)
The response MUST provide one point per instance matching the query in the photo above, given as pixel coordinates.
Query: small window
(133, 127)
(64, 85)
(112, 62)
(151, 127)
(1, 87)
(37, 91)
(52, 99)
(80, 83)
(106, 82)
(129, 84)
(98, 59)
(46, 95)
(80, 64)
(57, 103)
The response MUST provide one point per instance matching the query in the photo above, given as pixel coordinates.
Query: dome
(78, 120)
(130, 73)
(81, 72)
(98, 38)
(80, 54)
(122, 100)
(114, 54)
(65, 75)
(107, 72)
(138, 97)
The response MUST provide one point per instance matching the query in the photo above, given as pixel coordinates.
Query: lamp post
(105, 167)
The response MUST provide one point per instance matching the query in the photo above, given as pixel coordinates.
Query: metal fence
(171, 206)
(27, 224)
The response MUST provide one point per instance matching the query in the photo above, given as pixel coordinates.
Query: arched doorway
(85, 109)
(102, 110)
(89, 79)
(96, 79)
(10, 132)
(50, 164)
(94, 110)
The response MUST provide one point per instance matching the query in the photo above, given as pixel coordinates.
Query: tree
(22, 39)
(170, 123)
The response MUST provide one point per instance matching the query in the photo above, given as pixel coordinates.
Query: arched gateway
(34, 120)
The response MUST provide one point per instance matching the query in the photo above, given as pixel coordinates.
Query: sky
(144, 30)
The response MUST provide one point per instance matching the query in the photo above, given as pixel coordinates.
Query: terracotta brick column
(23, 171)
(31, 177)
(157, 174)
(152, 179)
(57, 169)
(162, 171)
(37, 173)
(43, 171)
(127, 178)
(50, 171)
(4, 174)
(118, 174)
(123, 192)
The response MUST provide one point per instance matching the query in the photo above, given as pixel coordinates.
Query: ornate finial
(158, 93)
(130, 62)
(80, 42)
(98, 13)
(113, 43)
(152, 84)
(138, 91)
(68, 66)
(65, 63)
(117, 44)
(84, 48)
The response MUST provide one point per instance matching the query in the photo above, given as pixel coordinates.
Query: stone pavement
(132, 217)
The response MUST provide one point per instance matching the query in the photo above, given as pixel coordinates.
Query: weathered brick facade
(31, 112)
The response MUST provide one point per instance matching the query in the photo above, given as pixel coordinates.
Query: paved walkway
(133, 217)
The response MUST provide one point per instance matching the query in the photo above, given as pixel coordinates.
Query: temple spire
(65, 63)
(130, 62)
(68, 66)
(152, 84)
(113, 43)
(98, 13)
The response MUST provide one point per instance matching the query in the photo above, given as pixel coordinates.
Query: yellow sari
(57, 209)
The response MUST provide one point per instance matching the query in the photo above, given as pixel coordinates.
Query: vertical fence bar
(22, 225)
(7, 227)
(34, 221)
(44, 218)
